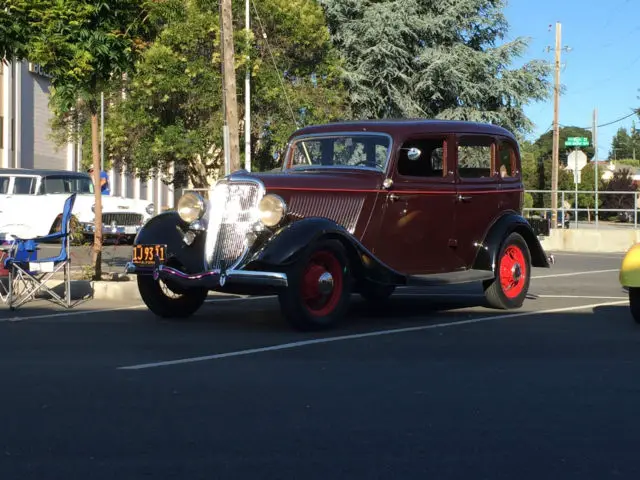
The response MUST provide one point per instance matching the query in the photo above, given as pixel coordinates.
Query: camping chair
(31, 273)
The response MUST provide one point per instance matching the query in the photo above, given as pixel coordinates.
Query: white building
(25, 135)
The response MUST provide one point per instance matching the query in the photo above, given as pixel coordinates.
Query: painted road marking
(378, 333)
(480, 295)
(571, 274)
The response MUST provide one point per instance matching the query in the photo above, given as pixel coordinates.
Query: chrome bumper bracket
(212, 279)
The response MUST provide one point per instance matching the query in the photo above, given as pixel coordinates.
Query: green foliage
(625, 144)
(81, 43)
(528, 200)
(587, 183)
(545, 143)
(410, 58)
(173, 107)
(622, 181)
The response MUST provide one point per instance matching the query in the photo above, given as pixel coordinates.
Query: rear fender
(289, 244)
(630, 268)
(168, 228)
(487, 256)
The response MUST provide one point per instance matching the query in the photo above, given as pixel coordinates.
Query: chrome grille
(122, 219)
(344, 209)
(232, 214)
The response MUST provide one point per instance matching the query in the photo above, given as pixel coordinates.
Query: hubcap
(325, 283)
(516, 271)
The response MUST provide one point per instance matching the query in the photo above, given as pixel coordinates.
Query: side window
(431, 161)
(474, 157)
(506, 160)
(24, 185)
(56, 185)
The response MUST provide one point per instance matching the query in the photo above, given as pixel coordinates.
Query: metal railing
(588, 207)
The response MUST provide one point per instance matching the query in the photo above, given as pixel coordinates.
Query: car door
(418, 209)
(478, 198)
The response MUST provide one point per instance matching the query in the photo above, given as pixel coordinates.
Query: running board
(452, 278)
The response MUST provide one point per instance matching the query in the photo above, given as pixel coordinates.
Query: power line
(635, 112)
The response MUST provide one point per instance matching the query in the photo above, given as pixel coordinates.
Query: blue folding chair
(31, 273)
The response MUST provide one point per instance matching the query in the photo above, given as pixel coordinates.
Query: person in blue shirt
(104, 181)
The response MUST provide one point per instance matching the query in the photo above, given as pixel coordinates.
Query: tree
(172, 114)
(545, 143)
(587, 183)
(624, 145)
(83, 45)
(411, 58)
(622, 181)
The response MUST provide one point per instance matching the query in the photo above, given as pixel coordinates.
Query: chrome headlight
(151, 208)
(272, 210)
(191, 207)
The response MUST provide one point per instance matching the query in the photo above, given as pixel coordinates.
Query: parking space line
(378, 333)
(106, 310)
(480, 295)
(572, 274)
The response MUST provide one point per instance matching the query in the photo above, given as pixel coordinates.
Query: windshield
(64, 184)
(343, 150)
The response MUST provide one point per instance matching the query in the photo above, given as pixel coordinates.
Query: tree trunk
(97, 239)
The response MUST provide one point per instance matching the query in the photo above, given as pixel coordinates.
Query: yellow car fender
(630, 268)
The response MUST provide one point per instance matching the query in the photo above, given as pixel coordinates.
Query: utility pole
(594, 134)
(229, 87)
(555, 158)
(556, 131)
(247, 98)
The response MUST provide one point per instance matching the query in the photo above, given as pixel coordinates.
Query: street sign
(576, 161)
(577, 142)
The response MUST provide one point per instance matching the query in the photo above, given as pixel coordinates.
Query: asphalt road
(431, 386)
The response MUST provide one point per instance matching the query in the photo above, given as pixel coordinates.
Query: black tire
(634, 303)
(185, 304)
(510, 286)
(302, 303)
(376, 293)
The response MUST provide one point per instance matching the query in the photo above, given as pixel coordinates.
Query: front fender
(290, 242)
(630, 268)
(167, 228)
(487, 256)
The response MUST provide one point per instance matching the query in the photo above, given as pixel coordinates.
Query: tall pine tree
(435, 59)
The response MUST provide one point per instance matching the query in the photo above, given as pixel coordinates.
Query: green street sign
(577, 142)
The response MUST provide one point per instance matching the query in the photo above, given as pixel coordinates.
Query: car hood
(321, 180)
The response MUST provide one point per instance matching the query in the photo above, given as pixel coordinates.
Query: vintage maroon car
(361, 207)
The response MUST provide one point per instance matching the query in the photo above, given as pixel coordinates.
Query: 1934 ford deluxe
(360, 207)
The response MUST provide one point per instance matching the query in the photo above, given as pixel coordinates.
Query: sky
(602, 69)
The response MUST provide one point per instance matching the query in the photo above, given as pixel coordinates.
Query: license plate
(146, 254)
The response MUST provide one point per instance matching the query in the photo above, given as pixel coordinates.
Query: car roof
(417, 125)
(41, 173)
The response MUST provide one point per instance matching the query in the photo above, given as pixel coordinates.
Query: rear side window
(24, 185)
(430, 163)
(474, 157)
(4, 185)
(506, 160)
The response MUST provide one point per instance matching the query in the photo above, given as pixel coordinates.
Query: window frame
(446, 159)
(491, 178)
(287, 165)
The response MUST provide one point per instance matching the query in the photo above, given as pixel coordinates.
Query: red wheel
(510, 286)
(319, 287)
(513, 271)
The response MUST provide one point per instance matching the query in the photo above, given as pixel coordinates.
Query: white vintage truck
(31, 204)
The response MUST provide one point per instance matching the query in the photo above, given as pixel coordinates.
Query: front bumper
(212, 279)
(90, 229)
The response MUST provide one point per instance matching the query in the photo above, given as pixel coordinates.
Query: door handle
(464, 198)
(394, 197)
